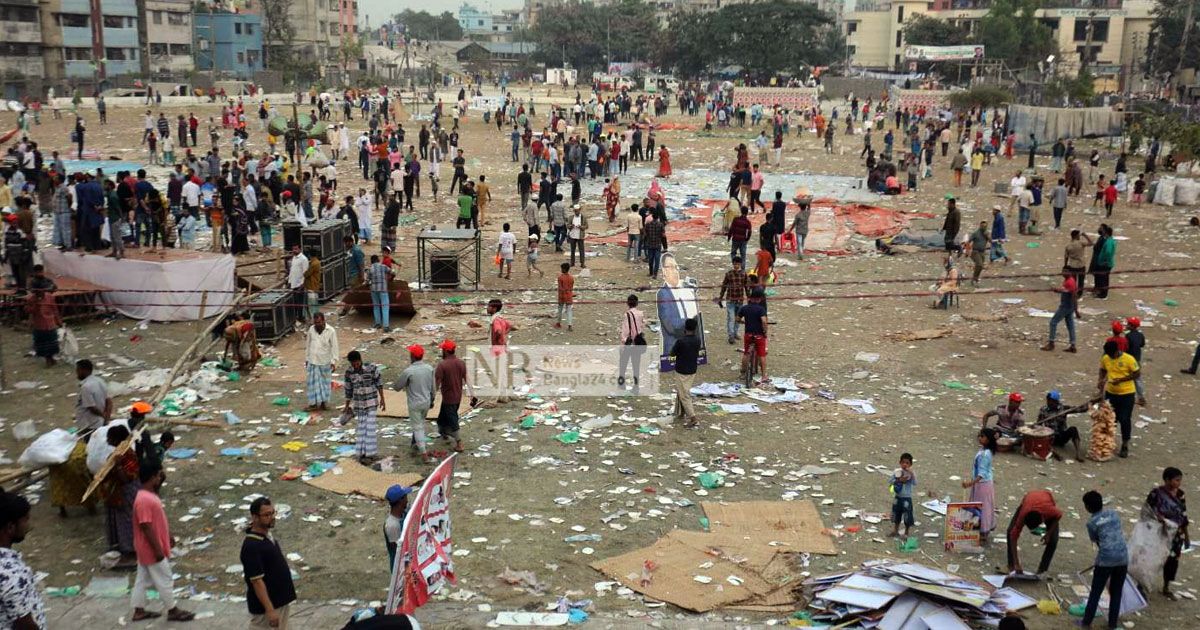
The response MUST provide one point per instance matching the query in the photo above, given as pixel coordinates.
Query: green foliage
(1010, 32)
(425, 26)
(1078, 89)
(583, 34)
(922, 30)
(1182, 136)
(984, 96)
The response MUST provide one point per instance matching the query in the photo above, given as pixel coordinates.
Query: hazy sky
(378, 9)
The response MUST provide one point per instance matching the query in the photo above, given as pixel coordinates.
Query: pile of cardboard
(745, 560)
(892, 595)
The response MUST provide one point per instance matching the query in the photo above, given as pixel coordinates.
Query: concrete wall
(836, 88)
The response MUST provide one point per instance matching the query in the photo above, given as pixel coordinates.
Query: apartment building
(20, 44)
(89, 39)
(169, 36)
(229, 43)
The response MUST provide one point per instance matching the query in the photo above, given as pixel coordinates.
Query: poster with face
(676, 304)
(423, 558)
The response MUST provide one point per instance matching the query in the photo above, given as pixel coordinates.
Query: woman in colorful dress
(121, 487)
(664, 162)
(1166, 503)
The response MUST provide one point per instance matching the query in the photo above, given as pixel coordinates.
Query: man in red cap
(450, 378)
(1135, 341)
(1009, 416)
(1118, 337)
(417, 382)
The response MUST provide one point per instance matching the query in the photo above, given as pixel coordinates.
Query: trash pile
(748, 559)
(893, 595)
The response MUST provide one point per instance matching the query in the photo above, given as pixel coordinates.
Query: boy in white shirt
(505, 251)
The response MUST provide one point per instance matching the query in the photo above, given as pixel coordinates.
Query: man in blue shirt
(1112, 559)
(354, 263)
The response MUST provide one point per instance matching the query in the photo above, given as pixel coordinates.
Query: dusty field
(525, 527)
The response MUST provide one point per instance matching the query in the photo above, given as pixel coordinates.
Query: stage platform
(77, 299)
(160, 285)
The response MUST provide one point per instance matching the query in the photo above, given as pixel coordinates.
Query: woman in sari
(119, 490)
(240, 336)
(1166, 503)
(664, 162)
(70, 479)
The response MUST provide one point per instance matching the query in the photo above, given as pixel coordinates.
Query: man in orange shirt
(762, 266)
(566, 296)
(1037, 508)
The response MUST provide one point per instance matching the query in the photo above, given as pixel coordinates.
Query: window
(237, 28)
(897, 62)
(115, 54)
(178, 18)
(155, 17)
(181, 49)
(851, 28)
(249, 29)
(118, 21)
(241, 57)
(321, 28)
(1083, 52)
(321, 4)
(158, 49)
(851, 50)
(1099, 29)
(77, 54)
(1050, 23)
(899, 38)
(900, 14)
(72, 19)
(20, 49)
(480, 23)
(253, 58)
(18, 14)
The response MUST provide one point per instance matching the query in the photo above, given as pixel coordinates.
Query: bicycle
(750, 349)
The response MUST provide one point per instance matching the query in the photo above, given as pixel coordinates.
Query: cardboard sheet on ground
(793, 526)
(358, 479)
(290, 351)
(673, 579)
(397, 404)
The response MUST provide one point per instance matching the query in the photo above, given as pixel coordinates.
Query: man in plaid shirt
(654, 241)
(733, 292)
(364, 396)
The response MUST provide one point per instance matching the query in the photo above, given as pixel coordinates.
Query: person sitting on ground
(1009, 416)
(1054, 415)
(946, 287)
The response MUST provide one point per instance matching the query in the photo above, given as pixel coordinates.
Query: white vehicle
(660, 83)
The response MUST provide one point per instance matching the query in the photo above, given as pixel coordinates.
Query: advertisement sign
(944, 53)
(962, 526)
(423, 563)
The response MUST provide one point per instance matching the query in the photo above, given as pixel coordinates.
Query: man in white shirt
(250, 196)
(1015, 186)
(330, 174)
(298, 302)
(320, 358)
(191, 196)
(362, 207)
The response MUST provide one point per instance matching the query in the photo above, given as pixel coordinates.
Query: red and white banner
(423, 564)
(800, 98)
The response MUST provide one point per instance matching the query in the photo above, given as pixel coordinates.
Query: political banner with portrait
(678, 301)
(962, 526)
(423, 554)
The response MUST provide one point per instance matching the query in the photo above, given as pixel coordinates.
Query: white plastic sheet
(1149, 545)
(159, 291)
(50, 448)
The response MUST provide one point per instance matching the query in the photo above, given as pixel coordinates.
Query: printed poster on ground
(962, 526)
(423, 564)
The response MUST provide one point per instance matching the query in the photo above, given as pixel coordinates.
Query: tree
(350, 50)
(922, 30)
(425, 26)
(1166, 39)
(278, 33)
(584, 35)
(982, 96)
(686, 47)
(1012, 33)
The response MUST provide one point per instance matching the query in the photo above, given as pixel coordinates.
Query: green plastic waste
(282, 401)
(704, 522)
(528, 422)
(569, 437)
(269, 362)
(454, 300)
(1170, 302)
(712, 480)
(648, 430)
(771, 292)
(908, 545)
(63, 591)
(802, 615)
(1076, 610)
(956, 385)
(1033, 245)
(233, 376)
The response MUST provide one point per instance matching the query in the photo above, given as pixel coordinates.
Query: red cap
(1016, 397)
(448, 346)
(287, 193)
(1117, 327)
(1133, 322)
(417, 350)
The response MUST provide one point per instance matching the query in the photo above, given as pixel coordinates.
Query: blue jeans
(62, 231)
(731, 325)
(1059, 315)
(737, 248)
(560, 237)
(140, 220)
(902, 508)
(632, 249)
(652, 256)
(381, 308)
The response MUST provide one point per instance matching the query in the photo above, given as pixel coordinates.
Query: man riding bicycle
(754, 342)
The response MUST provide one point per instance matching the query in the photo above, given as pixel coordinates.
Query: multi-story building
(20, 45)
(229, 43)
(479, 24)
(89, 39)
(663, 9)
(169, 35)
(1109, 34)
(318, 29)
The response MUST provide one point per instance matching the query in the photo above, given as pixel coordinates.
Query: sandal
(145, 614)
(181, 615)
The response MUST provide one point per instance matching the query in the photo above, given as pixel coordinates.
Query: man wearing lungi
(320, 357)
(364, 396)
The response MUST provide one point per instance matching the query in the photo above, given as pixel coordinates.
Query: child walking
(566, 296)
(531, 256)
(903, 482)
(505, 250)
